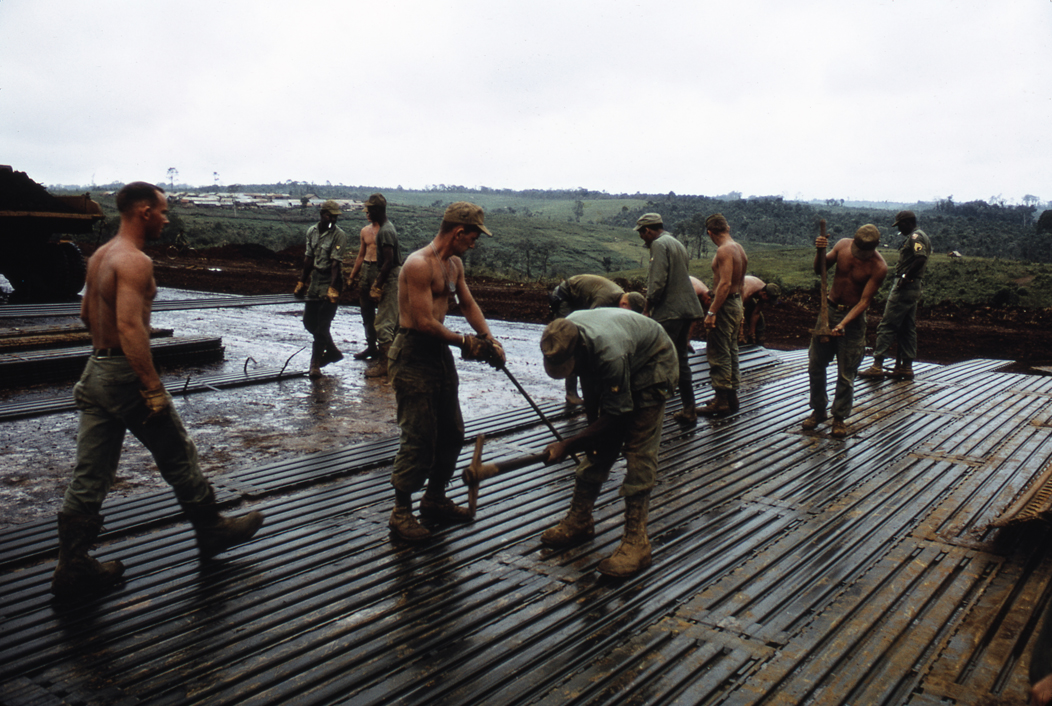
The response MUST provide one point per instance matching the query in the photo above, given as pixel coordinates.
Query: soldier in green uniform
(899, 323)
(582, 292)
(323, 270)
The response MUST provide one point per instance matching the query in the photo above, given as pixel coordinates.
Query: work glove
(376, 293)
(300, 291)
(158, 402)
(485, 349)
(332, 295)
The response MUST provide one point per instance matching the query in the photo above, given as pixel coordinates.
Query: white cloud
(878, 99)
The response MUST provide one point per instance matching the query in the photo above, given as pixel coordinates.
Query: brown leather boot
(78, 575)
(379, 367)
(578, 525)
(903, 370)
(633, 554)
(733, 405)
(874, 371)
(687, 417)
(719, 406)
(216, 533)
(404, 524)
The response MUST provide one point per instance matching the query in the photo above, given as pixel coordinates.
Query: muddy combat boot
(331, 355)
(216, 533)
(369, 353)
(578, 524)
(78, 575)
(443, 509)
(379, 367)
(719, 406)
(839, 429)
(405, 526)
(813, 421)
(633, 554)
(874, 371)
(687, 417)
(732, 401)
(903, 370)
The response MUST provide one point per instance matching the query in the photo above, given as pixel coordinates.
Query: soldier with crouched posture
(628, 367)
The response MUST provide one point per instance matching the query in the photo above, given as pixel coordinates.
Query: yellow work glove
(158, 402)
(300, 291)
(332, 295)
(376, 293)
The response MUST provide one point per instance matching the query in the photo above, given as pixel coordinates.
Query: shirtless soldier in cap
(860, 270)
(424, 376)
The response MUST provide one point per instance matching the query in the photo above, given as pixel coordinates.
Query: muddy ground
(947, 332)
(250, 426)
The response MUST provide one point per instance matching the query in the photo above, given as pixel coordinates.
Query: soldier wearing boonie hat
(860, 269)
(628, 368)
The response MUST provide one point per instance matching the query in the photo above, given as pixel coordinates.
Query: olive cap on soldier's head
(558, 344)
(331, 207)
(648, 219)
(865, 242)
(904, 216)
(375, 200)
(465, 214)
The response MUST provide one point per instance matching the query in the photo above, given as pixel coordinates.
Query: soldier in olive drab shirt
(899, 323)
(628, 368)
(671, 300)
(323, 269)
(582, 292)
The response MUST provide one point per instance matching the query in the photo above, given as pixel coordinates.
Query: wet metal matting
(789, 568)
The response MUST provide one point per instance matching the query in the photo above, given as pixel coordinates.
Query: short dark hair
(717, 223)
(135, 193)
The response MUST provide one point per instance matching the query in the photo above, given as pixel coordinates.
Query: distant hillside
(552, 234)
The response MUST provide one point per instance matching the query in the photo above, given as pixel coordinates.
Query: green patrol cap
(558, 343)
(648, 219)
(465, 214)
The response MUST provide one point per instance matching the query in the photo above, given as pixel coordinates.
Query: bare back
(728, 267)
(120, 287)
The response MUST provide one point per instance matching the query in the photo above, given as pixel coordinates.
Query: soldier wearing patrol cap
(899, 323)
(860, 270)
(424, 376)
(321, 283)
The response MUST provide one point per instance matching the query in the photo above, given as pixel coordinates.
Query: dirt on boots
(633, 554)
(215, 533)
(78, 575)
(578, 525)
(719, 406)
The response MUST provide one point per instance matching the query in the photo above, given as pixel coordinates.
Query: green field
(547, 236)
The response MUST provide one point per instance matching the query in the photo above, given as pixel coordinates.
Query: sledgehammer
(477, 471)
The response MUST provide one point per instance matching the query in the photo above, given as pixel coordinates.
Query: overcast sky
(898, 100)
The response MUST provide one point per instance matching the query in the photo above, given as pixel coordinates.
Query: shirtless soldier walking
(120, 391)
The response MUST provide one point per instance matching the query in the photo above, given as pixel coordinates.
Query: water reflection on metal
(789, 567)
